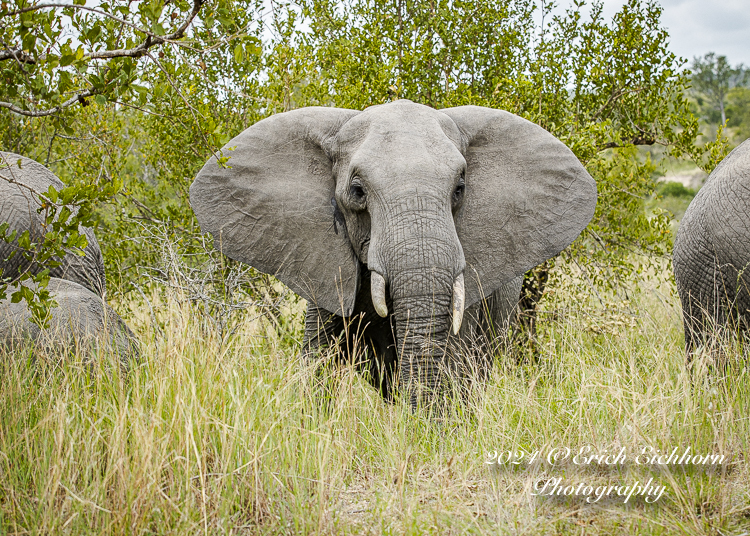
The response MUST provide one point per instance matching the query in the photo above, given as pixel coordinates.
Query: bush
(674, 189)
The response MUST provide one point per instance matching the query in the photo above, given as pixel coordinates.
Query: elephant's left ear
(527, 197)
(270, 205)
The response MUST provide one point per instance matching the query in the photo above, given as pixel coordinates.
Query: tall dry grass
(211, 434)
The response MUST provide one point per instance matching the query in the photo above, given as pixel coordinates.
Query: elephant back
(720, 212)
(81, 320)
(21, 179)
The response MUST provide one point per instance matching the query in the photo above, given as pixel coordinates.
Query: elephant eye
(458, 193)
(357, 191)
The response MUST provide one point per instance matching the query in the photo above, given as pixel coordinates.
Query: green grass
(206, 436)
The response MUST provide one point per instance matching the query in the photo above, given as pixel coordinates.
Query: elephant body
(712, 253)
(403, 226)
(18, 207)
(81, 320)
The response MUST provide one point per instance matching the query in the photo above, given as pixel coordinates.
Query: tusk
(458, 303)
(377, 287)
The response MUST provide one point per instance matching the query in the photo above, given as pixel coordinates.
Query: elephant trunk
(416, 257)
(421, 308)
(377, 284)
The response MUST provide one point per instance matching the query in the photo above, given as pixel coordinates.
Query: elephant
(20, 180)
(80, 320)
(712, 253)
(393, 222)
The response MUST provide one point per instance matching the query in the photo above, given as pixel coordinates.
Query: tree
(80, 84)
(712, 79)
(139, 95)
(738, 111)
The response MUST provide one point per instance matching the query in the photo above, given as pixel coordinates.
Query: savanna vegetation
(220, 427)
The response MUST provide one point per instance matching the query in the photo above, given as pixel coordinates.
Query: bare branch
(44, 113)
(16, 54)
(645, 139)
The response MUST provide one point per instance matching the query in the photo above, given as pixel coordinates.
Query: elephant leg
(706, 288)
(381, 359)
(366, 338)
(486, 328)
(706, 302)
(742, 304)
(322, 329)
(504, 313)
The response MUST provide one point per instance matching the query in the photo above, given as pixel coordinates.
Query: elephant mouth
(377, 290)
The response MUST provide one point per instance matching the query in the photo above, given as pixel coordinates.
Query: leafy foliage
(675, 189)
(738, 111)
(89, 91)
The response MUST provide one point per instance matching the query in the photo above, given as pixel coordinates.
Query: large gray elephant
(712, 253)
(394, 220)
(82, 320)
(20, 180)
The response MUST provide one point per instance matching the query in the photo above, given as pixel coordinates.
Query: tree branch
(151, 38)
(16, 54)
(44, 113)
(616, 94)
(135, 52)
(645, 139)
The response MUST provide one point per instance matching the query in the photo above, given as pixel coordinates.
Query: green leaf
(67, 59)
(24, 241)
(52, 194)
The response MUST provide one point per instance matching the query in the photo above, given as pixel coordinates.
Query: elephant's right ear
(270, 205)
(527, 197)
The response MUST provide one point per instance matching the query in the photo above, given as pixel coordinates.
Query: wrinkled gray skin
(712, 253)
(18, 207)
(333, 201)
(81, 320)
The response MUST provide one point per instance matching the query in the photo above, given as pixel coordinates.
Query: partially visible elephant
(20, 179)
(82, 320)
(395, 221)
(712, 253)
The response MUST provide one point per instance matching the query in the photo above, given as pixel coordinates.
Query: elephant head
(442, 207)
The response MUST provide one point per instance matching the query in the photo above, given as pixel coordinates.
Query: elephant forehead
(404, 148)
(389, 126)
(391, 147)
